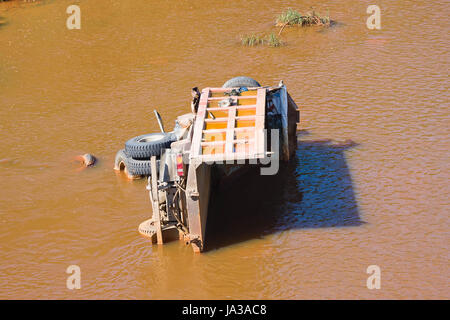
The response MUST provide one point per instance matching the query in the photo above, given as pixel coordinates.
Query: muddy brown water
(369, 185)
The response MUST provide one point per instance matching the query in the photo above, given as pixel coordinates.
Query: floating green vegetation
(273, 40)
(3, 21)
(292, 17)
(251, 40)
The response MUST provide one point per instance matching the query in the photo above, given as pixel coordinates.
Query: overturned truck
(230, 129)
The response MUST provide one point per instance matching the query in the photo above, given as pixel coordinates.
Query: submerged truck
(231, 129)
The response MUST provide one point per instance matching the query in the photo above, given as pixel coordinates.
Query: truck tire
(121, 160)
(148, 145)
(141, 167)
(133, 167)
(241, 82)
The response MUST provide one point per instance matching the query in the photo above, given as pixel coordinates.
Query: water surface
(369, 185)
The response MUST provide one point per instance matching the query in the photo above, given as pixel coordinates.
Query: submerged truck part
(147, 145)
(226, 138)
(159, 119)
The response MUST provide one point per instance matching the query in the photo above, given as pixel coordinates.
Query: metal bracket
(193, 193)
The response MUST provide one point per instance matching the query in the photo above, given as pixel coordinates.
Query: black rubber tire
(121, 158)
(140, 167)
(141, 148)
(241, 82)
(133, 166)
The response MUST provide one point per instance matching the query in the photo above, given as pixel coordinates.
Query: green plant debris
(292, 17)
(273, 40)
(251, 40)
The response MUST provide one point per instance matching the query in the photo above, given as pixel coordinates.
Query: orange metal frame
(235, 132)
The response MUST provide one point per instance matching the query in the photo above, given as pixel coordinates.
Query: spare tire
(241, 82)
(140, 167)
(121, 160)
(148, 145)
(132, 166)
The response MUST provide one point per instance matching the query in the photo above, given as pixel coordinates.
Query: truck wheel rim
(151, 138)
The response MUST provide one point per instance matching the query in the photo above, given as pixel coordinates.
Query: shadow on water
(314, 190)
